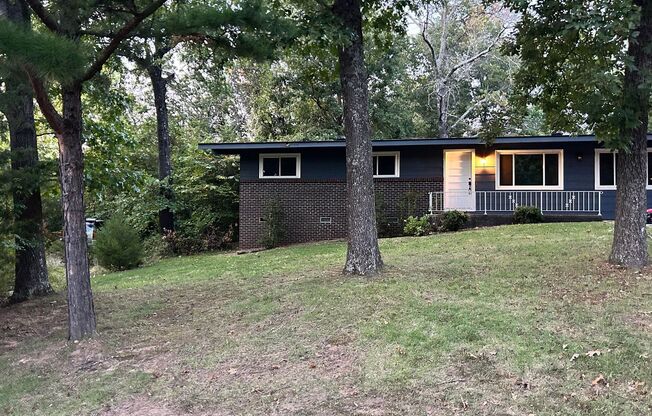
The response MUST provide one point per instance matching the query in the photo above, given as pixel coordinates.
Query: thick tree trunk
(363, 255)
(31, 272)
(630, 246)
(159, 86)
(81, 312)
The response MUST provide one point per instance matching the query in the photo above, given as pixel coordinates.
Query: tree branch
(478, 55)
(425, 38)
(43, 15)
(45, 104)
(467, 112)
(121, 35)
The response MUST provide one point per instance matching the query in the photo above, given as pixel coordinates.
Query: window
(287, 165)
(605, 169)
(529, 169)
(386, 164)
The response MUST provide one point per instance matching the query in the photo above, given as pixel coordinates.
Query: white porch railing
(505, 201)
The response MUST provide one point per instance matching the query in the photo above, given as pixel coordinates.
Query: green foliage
(527, 215)
(274, 229)
(118, 245)
(408, 205)
(452, 220)
(417, 226)
(567, 48)
(50, 56)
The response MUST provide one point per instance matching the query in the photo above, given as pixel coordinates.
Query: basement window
(386, 164)
(284, 165)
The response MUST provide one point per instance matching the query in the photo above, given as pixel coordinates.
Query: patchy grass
(490, 321)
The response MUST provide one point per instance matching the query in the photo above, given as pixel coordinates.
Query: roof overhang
(237, 148)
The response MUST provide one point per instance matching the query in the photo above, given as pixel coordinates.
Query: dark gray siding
(426, 162)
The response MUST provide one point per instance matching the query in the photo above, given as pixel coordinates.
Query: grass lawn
(512, 320)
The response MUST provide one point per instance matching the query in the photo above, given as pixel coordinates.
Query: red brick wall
(304, 202)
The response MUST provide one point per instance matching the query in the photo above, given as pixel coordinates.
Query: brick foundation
(307, 204)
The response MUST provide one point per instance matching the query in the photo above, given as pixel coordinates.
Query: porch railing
(506, 201)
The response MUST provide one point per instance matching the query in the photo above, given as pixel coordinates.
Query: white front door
(459, 181)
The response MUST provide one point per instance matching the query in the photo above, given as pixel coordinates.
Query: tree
(249, 30)
(588, 64)
(363, 254)
(67, 22)
(31, 274)
(453, 52)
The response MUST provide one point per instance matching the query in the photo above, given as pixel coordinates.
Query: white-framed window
(605, 169)
(387, 164)
(530, 169)
(279, 165)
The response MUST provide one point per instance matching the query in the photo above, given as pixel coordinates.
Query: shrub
(273, 228)
(118, 246)
(527, 215)
(452, 220)
(408, 206)
(417, 226)
(382, 223)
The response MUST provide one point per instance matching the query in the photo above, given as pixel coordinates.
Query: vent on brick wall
(392, 220)
(325, 220)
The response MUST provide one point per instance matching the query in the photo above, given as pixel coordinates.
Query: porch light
(483, 161)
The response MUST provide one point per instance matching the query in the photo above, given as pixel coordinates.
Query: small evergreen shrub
(118, 246)
(417, 226)
(273, 228)
(452, 220)
(527, 215)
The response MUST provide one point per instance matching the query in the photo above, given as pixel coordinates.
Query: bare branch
(43, 15)
(467, 112)
(121, 35)
(477, 55)
(425, 37)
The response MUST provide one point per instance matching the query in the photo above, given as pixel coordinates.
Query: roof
(236, 148)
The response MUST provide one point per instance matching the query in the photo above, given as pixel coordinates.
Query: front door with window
(459, 183)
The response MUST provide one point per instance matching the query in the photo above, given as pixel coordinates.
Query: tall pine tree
(31, 274)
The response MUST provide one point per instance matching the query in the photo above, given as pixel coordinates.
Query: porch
(552, 202)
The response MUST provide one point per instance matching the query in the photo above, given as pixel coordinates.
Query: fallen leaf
(575, 357)
(593, 353)
(233, 371)
(599, 381)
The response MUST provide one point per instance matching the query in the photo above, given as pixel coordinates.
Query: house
(567, 177)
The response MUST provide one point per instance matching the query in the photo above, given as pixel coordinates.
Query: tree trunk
(159, 86)
(81, 312)
(31, 272)
(630, 246)
(443, 93)
(363, 255)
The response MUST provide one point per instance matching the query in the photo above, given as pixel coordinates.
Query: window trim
(296, 156)
(560, 169)
(596, 171)
(397, 163)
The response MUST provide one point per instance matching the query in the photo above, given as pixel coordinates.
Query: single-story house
(564, 176)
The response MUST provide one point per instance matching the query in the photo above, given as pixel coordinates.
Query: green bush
(452, 220)
(118, 246)
(417, 226)
(273, 228)
(527, 215)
